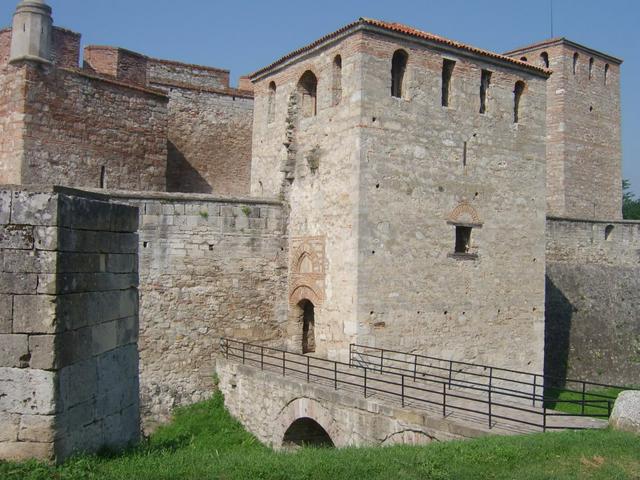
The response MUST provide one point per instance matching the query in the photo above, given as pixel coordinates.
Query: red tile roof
(402, 29)
(562, 40)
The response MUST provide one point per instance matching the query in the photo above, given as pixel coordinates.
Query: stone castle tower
(32, 31)
(584, 156)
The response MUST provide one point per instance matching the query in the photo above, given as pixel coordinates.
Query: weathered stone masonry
(349, 419)
(209, 149)
(377, 180)
(593, 280)
(209, 267)
(383, 181)
(68, 323)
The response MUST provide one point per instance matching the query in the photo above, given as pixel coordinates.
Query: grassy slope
(204, 442)
(596, 397)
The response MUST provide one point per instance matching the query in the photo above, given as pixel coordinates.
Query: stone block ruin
(69, 330)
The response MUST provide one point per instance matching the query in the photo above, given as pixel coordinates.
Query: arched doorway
(308, 326)
(306, 432)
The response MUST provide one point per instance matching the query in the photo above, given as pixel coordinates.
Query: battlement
(119, 63)
(128, 66)
(167, 72)
(65, 47)
(521, 53)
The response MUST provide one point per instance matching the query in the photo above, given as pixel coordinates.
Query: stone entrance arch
(304, 419)
(306, 292)
(306, 431)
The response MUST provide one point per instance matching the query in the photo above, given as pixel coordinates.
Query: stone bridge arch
(306, 408)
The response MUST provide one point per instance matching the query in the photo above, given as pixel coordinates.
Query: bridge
(384, 397)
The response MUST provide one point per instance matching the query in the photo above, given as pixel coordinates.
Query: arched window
(524, 59)
(271, 107)
(590, 68)
(398, 68)
(606, 73)
(575, 62)
(544, 59)
(608, 231)
(517, 95)
(307, 91)
(337, 80)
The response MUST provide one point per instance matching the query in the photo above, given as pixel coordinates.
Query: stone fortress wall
(153, 125)
(428, 170)
(209, 123)
(318, 168)
(63, 142)
(209, 268)
(68, 323)
(593, 280)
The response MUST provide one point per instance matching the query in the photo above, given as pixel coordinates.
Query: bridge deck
(464, 406)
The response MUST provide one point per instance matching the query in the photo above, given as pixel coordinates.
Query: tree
(630, 204)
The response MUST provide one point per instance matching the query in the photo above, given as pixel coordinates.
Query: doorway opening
(308, 326)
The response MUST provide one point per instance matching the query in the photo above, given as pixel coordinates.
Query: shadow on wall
(557, 332)
(181, 176)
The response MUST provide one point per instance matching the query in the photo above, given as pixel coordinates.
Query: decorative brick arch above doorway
(307, 273)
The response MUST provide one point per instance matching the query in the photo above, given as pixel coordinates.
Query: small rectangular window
(103, 177)
(485, 81)
(447, 72)
(463, 239)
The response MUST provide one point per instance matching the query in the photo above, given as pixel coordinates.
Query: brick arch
(304, 407)
(302, 252)
(303, 291)
(408, 436)
(463, 213)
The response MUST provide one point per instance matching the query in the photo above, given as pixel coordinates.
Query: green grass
(595, 396)
(204, 442)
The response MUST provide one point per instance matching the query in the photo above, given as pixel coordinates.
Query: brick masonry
(209, 147)
(123, 133)
(209, 123)
(198, 76)
(209, 267)
(68, 323)
(152, 125)
(371, 189)
(584, 155)
(592, 303)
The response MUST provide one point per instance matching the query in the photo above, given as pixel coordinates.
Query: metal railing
(446, 392)
(540, 390)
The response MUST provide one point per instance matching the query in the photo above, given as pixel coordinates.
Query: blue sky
(243, 36)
